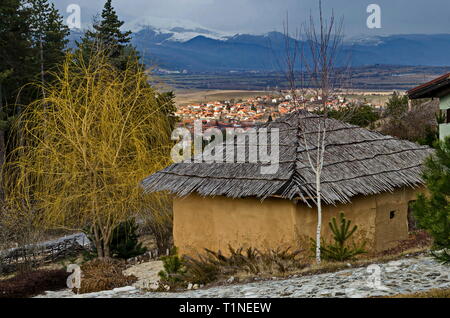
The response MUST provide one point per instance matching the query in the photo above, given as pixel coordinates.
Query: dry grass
(184, 97)
(416, 245)
(253, 266)
(434, 293)
(103, 274)
(245, 268)
(33, 283)
(242, 263)
(417, 240)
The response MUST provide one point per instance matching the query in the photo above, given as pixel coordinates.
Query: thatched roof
(357, 162)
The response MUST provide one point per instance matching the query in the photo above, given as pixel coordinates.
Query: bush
(212, 266)
(339, 249)
(124, 242)
(420, 124)
(160, 225)
(362, 116)
(200, 270)
(207, 268)
(33, 283)
(103, 274)
(442, 256)
(397, 105)
(432, 212)
(172, 275)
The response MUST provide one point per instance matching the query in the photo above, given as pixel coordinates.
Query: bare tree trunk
(106, 240)
(319, 217)
(2, 148)
(41, 49)
(106, 250)
(320, 74)
(98, 243)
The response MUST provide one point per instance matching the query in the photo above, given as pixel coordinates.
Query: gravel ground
(408, 275)
(147, 274)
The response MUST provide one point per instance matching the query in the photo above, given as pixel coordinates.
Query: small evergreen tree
(124, 242)
(49, 35)
(32, 42)
(433, 211)
(340, 249)
(397, 105)
(106, 35)
(363, 115)
(173, 269)
(17, 66)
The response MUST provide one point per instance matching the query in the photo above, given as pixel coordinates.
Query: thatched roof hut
(357, 161)
(370, 177)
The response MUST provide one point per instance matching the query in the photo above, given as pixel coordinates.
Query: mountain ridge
(192, 48)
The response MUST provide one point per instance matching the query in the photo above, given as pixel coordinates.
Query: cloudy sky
(260, 16)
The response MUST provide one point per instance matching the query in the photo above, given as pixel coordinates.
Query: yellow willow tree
(82, 151)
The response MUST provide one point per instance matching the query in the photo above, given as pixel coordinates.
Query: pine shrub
(173, 269)
(432, 211)
(124, 242)
(340, 250)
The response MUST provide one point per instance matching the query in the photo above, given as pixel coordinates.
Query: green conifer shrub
(432, 211)
(340, 250)
(124, 242)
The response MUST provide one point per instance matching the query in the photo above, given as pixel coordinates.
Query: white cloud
(260, 16)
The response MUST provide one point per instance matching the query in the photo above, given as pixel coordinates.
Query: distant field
(370, 78)
(184, 97)
(377, 98)
(371, 83)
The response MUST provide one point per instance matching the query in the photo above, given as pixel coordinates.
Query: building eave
(435, 88)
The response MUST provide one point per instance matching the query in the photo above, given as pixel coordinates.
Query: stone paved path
(404, 276)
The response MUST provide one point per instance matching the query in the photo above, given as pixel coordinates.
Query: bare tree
(314, 66)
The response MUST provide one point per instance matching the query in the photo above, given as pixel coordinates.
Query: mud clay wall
(216, 222)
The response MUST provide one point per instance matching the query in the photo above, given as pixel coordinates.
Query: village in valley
(125, 172)
(247, 112)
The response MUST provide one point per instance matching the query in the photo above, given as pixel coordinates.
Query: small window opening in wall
(392, 215)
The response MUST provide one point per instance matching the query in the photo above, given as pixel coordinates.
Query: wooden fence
(34, 255)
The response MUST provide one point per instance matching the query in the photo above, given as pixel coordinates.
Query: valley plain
(367, 78)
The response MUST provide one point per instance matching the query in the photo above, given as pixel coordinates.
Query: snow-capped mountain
(364, 40)
(177, 45)
(179, 30)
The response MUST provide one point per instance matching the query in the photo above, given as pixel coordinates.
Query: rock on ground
(147, 273)
(407, 275)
